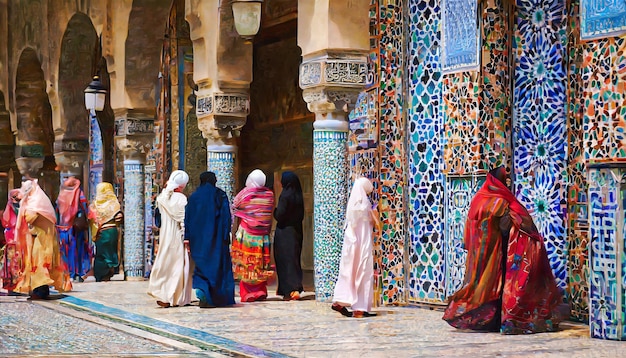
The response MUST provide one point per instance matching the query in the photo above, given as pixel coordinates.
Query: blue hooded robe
(207, 227)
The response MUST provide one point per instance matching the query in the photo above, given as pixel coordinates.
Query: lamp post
(95, 96)
(247, 16)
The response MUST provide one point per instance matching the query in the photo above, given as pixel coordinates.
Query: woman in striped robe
(251, 247)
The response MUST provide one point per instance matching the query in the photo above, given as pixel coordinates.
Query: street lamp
(95, 95)
(247, 15)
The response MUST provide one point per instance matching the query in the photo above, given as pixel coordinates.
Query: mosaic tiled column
(330, 196)
(96, 156)
(133, 139)
(134, 236)
(331, 86)
(221, 161)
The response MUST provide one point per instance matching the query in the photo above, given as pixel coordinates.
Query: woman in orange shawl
(509, 285)
(38, 245)
(105, 216)
(11, 258)
(251, 247)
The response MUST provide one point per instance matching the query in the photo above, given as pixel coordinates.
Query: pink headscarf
(9, 212)
(35, 200)
(68, 200)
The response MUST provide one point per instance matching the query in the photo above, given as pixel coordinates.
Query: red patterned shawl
(527, 301)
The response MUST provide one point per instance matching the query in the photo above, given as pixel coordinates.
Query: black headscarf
(208, 177)
(499, 173)
(290, 208)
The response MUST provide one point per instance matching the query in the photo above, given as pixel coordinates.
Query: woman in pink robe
(38, 245)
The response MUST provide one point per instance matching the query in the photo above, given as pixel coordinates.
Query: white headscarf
(178, 179)
(359, 203)
(255, 179)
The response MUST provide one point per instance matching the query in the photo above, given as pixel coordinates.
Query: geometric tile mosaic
(540, 127)
(425, 178)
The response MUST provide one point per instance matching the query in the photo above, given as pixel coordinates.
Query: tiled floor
(307, 328)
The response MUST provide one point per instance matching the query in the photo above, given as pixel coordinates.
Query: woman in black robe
(289, 214)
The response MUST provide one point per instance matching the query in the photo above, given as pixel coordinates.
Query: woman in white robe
(170, 279)
(354, 286)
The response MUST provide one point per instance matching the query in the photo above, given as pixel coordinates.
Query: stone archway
(35, 136)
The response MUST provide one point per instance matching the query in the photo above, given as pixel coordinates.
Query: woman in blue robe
(207, 227)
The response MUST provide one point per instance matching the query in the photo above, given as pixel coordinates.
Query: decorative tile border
(607, 293)
(460, 36)
(602, 18)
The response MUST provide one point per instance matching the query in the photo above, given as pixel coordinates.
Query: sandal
(163, 304)
(295, 295)
(341, 309)
(361, 314)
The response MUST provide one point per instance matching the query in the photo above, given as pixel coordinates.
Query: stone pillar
(133, 137)
(331, 84)
(332, 73)
(223, 72)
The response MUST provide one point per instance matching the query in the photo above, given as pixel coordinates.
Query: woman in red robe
(11, 260)
(509, 285)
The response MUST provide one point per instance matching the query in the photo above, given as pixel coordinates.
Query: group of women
(47, 246)
(196, 250)
(509, 285)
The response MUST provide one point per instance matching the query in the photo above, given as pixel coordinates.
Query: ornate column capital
(134, 134)
(221, 115)
(332, 81)
(29, 166)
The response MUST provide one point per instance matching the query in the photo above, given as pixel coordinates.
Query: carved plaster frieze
(330, 99)
(71, 145)
(333, 72)
(70, 162)
(134, 147)
(133, 127)
(219, 127)
(227, 104)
